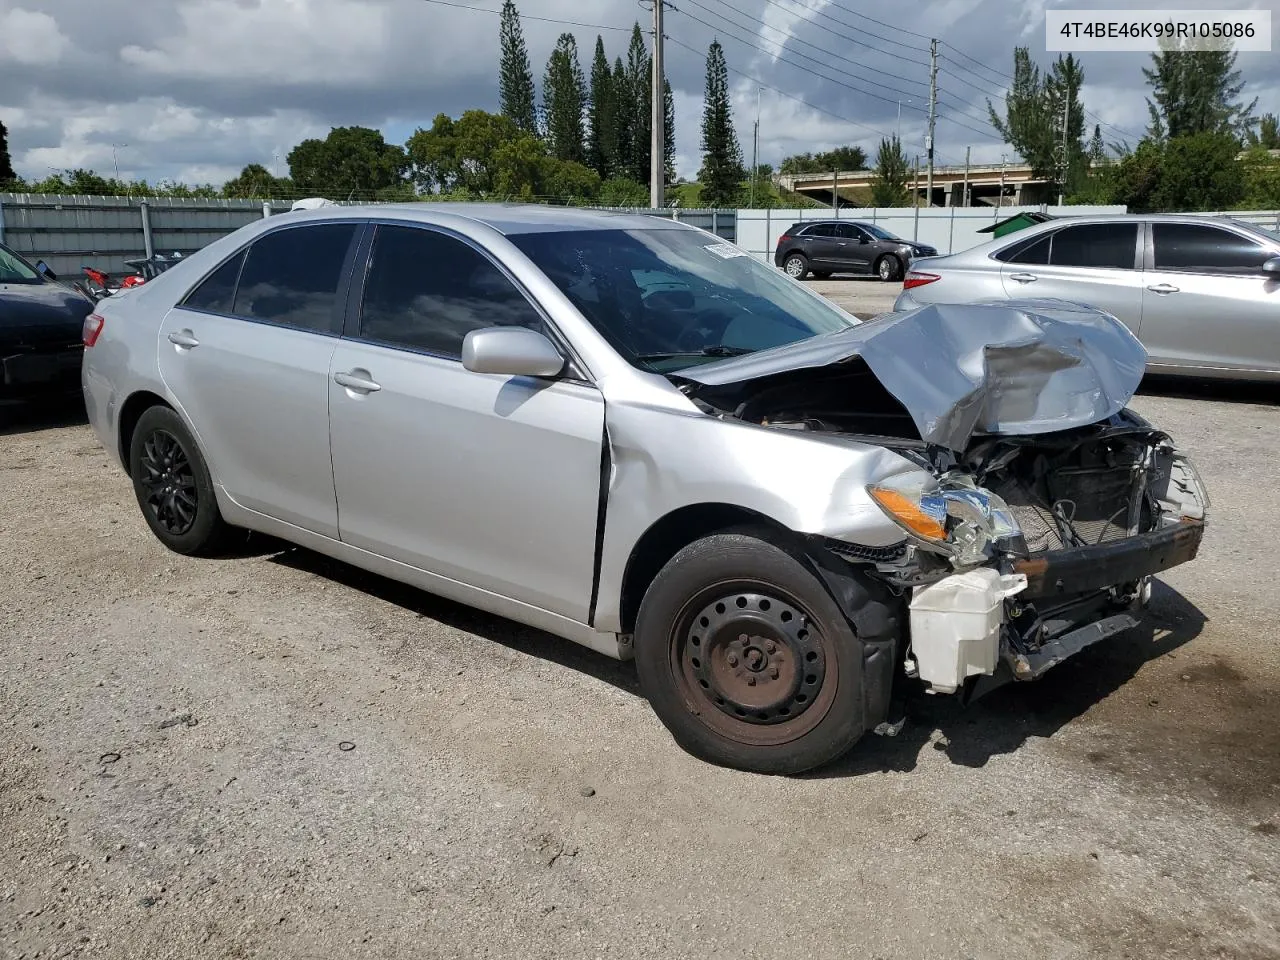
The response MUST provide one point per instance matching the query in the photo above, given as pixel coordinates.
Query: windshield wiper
(715, 350)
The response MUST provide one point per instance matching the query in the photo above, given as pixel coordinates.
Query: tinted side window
(216, 291)
(1204, 249)
(427, 291)
(1095, 245)
(847, 231)
(821, 230)
(1033, 253)
(292, 277)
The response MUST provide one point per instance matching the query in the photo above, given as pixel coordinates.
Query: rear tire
(796, 265)
(889, 268)
(172, 484)
(748, 660)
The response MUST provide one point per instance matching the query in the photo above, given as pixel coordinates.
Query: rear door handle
(184, 338)
(357, 380)
(1023, 277)
(1163, 288)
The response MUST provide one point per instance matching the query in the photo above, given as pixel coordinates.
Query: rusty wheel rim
(753, 664)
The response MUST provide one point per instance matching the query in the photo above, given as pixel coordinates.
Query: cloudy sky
(195, 89)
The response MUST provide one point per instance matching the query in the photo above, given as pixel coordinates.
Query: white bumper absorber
(955, 626)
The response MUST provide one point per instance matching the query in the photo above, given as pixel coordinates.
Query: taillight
(91, 330)
(917, 279)
(783, 239)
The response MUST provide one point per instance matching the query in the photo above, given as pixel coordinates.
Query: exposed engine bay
(1021, 548)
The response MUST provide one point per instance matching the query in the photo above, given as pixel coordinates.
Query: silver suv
(1201, 293)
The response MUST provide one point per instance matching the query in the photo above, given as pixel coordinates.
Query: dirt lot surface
(276, 756)
(862, 296)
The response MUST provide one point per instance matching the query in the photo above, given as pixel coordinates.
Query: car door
(1206, 301)
(490, 481)
(1092, 263)
(858, 248)
(820, 246)
(246, 355)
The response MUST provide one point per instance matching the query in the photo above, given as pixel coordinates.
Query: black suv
(824, 247)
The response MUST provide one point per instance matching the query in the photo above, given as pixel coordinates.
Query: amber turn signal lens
(908, 513)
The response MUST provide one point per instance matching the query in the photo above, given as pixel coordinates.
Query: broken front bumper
(1037, 611)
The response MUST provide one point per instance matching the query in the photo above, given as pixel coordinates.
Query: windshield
(1267, 232)
(667, 299)
(880, 233)
(14, 270)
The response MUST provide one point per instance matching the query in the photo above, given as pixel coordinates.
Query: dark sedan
(41, 323)
(824, 247)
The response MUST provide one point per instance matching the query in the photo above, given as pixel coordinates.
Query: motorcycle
(98, 284)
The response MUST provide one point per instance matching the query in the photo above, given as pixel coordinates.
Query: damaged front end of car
(1038, 506)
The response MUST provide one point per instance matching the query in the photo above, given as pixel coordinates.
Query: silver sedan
(633, 435)
(1201, 293)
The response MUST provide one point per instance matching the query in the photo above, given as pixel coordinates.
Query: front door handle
(1023, 277)
(358, 381)
(184, 338)
(1163, 288)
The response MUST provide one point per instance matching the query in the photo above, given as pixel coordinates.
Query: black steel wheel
(172, 484)
(747, 658)
(889, 268)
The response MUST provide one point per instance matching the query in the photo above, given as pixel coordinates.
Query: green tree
(624, 133)
(1034, 109)
(1097, 150)
(1195, 91)
(1200, 172)
(256, 181)
(889, 185)
(6, 164)
(722, 174)
(564, 98)
(1261, 173)
(841, 158)
(622, 192)
(637, 100)
(433, 156)
(668, 131)
(1267, 135)
(353, 162)
(602, 128)
(567, 180)
(515, 78)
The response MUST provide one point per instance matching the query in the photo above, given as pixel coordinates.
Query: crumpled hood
(993, 367)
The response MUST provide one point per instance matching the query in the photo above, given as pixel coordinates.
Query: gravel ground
(273, 755)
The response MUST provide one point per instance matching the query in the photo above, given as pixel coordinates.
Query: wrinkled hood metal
(993, 367)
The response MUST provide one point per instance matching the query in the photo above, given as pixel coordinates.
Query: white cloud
(29, 36)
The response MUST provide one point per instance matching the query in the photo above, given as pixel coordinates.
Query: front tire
(172, 484)
(747, 659)
(889, 268)
(796, 265)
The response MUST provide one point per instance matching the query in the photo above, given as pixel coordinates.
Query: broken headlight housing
(950, 515)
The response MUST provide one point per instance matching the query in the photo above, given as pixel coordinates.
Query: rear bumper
(1080, 570)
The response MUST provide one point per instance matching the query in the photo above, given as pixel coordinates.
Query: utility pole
(933, 112)
(964, 194)
(115, 158)
(1066, 115)
(835, 192)
(915, 199)
(1000, 199)
(658, 120)
(755, 151)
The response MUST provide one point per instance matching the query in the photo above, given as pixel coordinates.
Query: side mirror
(1271, 269)
(43, 269)
(512, 352)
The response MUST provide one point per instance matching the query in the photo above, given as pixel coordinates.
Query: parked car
(40, 327)
(824, 247)
(637, 437)
(1201, 293)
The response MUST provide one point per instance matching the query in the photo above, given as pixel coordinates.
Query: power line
(525, 16)
(721, 28)
(881, 23)
(822, 14)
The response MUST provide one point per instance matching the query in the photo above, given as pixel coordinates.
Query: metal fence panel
(69, 232)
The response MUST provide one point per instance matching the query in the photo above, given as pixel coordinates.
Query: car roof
(506, 218)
